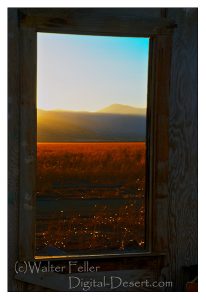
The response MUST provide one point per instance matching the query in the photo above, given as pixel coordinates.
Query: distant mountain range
(123, 109)
(113, 123)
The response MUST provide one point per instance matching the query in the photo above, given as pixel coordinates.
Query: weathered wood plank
(94, 21)
(113, 279)
(182, 214)
(13, 147)
(157, 139)
(28, 133)
(57, 12)
(13, 144)
(161, 144)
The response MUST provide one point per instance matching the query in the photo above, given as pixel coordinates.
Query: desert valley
(91, 181)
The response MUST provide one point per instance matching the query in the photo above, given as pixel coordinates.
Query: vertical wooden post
(28, 61)
(158, 142)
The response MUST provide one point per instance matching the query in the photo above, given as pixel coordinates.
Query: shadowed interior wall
(183, 152)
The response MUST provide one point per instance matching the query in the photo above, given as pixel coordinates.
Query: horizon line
(91, 111)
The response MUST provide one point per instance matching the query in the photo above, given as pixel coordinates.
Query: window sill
(99, 256)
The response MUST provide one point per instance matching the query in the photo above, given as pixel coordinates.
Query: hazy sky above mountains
(77, 72)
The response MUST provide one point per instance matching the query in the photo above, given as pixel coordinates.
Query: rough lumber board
(28, 61)
(182, 214)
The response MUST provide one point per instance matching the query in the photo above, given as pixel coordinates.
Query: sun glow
(88, 73)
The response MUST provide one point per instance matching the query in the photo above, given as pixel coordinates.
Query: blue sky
(79, 72)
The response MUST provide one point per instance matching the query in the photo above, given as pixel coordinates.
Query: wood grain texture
(157, 142)
(182, 214)
(28, 143)
(95, 21)
(159, 93)
(13, 148)
(103, 11)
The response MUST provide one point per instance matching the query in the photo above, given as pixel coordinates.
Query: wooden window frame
(93, 22)
(56, 21)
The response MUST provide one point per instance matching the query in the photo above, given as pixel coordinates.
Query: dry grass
(90, 171)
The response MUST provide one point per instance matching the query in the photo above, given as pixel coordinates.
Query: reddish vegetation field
(90, 197)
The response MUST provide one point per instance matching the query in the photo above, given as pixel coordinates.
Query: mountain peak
(123, 109)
